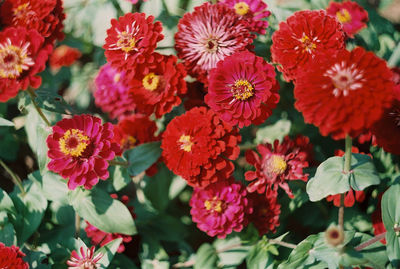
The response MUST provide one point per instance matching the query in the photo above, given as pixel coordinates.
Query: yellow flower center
(21, 11)
(186, 143)
(308, 45)
(276, 164)
(73, 143)
(214, 205)
(14, 59)
(242, 89)
(128, 142)
(126, 41)
(151, 81)
(241, 8)
(117, 77)
(343, 16)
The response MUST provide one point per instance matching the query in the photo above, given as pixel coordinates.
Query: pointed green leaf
(4, 122)
(142, 157)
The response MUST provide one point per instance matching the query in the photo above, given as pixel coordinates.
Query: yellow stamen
(241, 8)
(276, 164)
(126, 41)
(214, 205)
(14, 60)
(128, 142)
(343, 16)
(151, 81)
(117, 77)
(242, 89)
(308, 45)
(186, 143)
(73, 143)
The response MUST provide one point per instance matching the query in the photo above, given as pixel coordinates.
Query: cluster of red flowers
(12, 257)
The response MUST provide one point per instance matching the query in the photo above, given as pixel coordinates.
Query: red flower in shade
(276, 165)
(131, 40)
(22, 56)
(198, 146)
(345, 94)
(266, 211)
(112, 92)
(44, 16)
(63, 56)
(350, 14)
(305, 34)
(349, 198)
(387, 129)
(79, 149)
(98, 237)
(377, 222)
(208, 35)
(220, 208)
(87, 259)
(157, 89)
(253, 11)
(242, 89)
(11, 257)
(195, 95)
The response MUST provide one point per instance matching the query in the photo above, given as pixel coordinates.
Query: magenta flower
(87, 260)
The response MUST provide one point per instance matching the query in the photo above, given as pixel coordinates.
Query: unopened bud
(334, 236)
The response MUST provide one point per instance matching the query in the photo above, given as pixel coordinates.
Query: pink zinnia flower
(253, 11)
(277, 164)
(220, 208)
(79, 149)
(87, 260)
(242, 89)
(208, 35)
(350, 14)
(266, 211)
(112, 93)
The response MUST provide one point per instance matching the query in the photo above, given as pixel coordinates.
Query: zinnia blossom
(220, 208)
(209, 34)
(266, 211)
(63, 56)
(22, 56)
(198, 146)
(87, 259)
(242, 89)
(345, 94)
(11, 257)
(277, 164)
(131, 40)
(350, 14)
(80, 148)
(111, 92)
(158, 88)
(253, 11)
(305, 34)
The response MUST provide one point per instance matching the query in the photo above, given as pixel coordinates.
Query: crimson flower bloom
(350, 14)
(220, 208)
(242, 89)
(305, 34)
(266, 211)
(11, 257)
(87, 259)
(345, 94)
(131, 40)
(349, 198)
(111, 92)
(158, 88)
(208, 35)
(80, 148)
(253, 11)
(63, 56)
(198, 146)
(22, 56)
(277, 164)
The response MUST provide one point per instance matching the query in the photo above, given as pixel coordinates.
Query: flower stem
(247, 146)
(15, 178)
(121, 163)
(41, 114)
(281, 243)
(77, 225)
(370, 242)
(346, 170)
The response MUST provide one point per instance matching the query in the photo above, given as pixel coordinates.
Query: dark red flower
(277, 164)
(63, 56)
(195, 95)
(242, 89)
(198, 146)
(349, 198)
(377, 222)
(11, 258)
(266, 211)
(304, 35)
(345, 94)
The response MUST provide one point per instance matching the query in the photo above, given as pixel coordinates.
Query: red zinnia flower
(22, 56)
(86, 260)
(377, 222)
(277, 164)
(242, 89)
(208, 35)
(266, 211)
(112, 92)
(79, 149)
(253, 11)
(63, 56)
(158, 88)
(349, 198)
(198, 146)
(345, 94)
(44, 16)
(350, 14)
(220, 208)
(11, 257)
(305, 34)
(131, 40)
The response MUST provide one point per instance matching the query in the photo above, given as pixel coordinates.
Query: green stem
(165, 7)
(247, 146)
(121, 163)
(281, 243)
(395, 57)
(15, 178)
(77, 225)
(32, 94)
(346, 170)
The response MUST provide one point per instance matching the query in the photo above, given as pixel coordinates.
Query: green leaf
(121, 261)
(156, 186)
(206, 257)
(178, 184)
(121, 177)
(55, 187)
(6, 204)
(364, 172)
(36, 259)
(269, 133)
(108, 251)
(232, 256)
(152, 254)
(259, 257)
(7, 235)
(4, 122)
(142, 157)
(102, 211)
